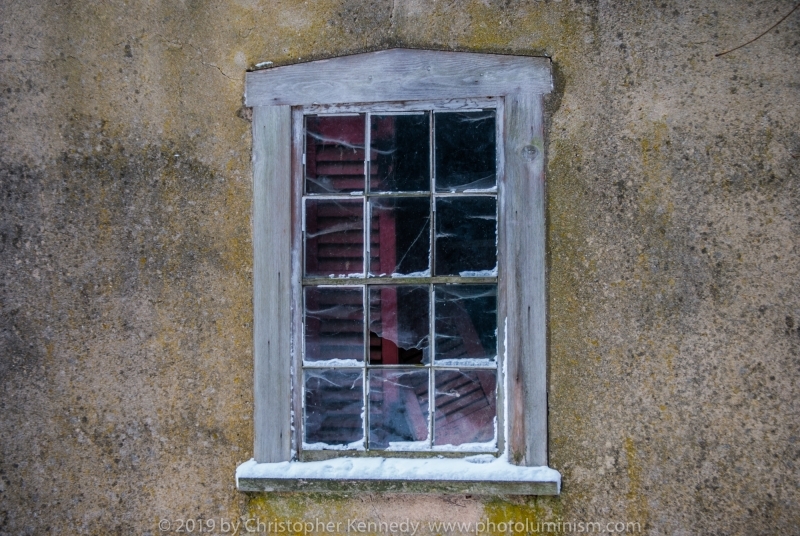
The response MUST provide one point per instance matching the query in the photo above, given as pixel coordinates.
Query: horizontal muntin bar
(358, 281)
(360, 193)
(415, 366)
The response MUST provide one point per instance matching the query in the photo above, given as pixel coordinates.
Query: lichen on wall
(125, 253)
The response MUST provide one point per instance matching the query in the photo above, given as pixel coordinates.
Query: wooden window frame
(279, 97)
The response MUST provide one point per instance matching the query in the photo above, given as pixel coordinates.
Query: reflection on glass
(465, 406)
(466, 236)
(334, 323)
(466, 322)
(400, 153)
(398, 406)
(333, 404)
(334, 237)
(334, 154)
(396, 208)
(400, 236)
(398, 325)
(465, 151)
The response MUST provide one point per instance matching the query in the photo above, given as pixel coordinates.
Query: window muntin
(421, 315)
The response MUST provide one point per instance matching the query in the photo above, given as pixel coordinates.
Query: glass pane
(466, 236)
(334, 323)
(400, 153)
(334, 405)
(398, 325)
(466, 157)
(400, 236)
(334, 237)
(465, 407)
(466, 323)
(398, 406)
(334, 154)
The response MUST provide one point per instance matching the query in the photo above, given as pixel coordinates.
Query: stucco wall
(125, 258)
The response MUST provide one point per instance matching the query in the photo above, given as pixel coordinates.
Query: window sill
(479, 475)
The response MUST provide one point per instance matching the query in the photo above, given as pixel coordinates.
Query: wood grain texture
(298, 146)
(478, 103)
(398, 75)
(524, 276)
(272, 264)
(502, 414)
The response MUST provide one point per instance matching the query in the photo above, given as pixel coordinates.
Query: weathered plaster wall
(125, 286)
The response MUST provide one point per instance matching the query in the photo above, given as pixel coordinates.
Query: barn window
(400, 279)
(399, 282)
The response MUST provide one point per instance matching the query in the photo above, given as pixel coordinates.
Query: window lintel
(398, 74)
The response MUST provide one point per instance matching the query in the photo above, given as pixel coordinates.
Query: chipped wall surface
(125, 254)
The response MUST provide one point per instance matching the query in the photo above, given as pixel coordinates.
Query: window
(399, 290)
(399, 284)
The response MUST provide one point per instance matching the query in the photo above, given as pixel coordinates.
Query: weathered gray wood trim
(479, 103)
(524, 279)
(502, 414)
(272, 266)
(398, 75)
(486, 487)
(298, 148)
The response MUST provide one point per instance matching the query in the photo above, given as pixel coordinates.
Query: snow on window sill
(480, 475)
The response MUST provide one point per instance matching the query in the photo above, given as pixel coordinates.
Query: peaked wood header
(398, 74)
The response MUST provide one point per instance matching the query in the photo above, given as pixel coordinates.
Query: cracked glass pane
(400, 153)
(398, 406)
(465, 407)
(399, 325)
(334, 323)
(466, 236)
(466, 156)
(400, 236)
(405, 149)
(334, 402)
(465, 324)
(334, 154)
(334, 237)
